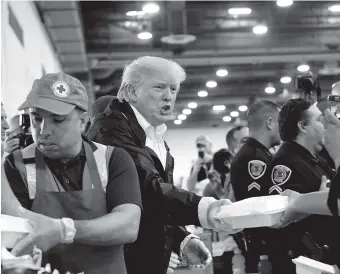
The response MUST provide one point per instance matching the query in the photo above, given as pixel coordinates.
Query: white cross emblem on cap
(60, 89)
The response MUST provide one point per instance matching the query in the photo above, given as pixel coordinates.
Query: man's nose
(5, 125)
(167, 95)
(45, 128)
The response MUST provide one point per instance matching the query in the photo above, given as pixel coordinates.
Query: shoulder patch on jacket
(281, 174)
(256, 168)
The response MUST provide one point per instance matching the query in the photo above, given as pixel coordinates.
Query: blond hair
(135, 73)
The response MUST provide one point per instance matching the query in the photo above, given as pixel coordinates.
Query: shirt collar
(150, 131)
(255, 143)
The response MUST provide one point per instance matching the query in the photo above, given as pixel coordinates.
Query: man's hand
(173, 263)
(198, 164)
(46, 233)
(11, 142)
(290, 215)
(332, 136)
(217, 224)
(196, 253)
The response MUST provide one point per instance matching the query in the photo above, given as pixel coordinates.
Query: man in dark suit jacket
(135, 122)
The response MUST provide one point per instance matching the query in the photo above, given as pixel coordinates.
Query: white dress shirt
(154, 136)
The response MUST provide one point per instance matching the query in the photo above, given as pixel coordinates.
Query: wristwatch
(69, 230)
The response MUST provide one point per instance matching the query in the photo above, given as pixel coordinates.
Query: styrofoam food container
(306, 265)
(13, 229)
(254, 212)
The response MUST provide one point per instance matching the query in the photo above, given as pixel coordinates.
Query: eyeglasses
(200, 146)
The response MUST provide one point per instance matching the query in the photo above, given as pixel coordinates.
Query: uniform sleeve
(16, 182)
(247, 178)
(288, 176)
(123, 184)
(334, 195)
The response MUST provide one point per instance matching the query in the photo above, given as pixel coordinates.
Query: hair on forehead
(260, 112)
(145, 66)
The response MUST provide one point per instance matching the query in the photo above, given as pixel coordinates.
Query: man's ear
(84, 119)
(132, 93)
(269, 123)
(302, 126)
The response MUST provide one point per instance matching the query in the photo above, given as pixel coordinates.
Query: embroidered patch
(256, 168)
(60, 89)
(275, 188)
(254, 185)
(281, 174)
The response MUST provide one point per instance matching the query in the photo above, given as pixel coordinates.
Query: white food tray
(306, 265)
(254, 212)
(13, 229)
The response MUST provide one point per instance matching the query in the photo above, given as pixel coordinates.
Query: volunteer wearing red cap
(89, 192)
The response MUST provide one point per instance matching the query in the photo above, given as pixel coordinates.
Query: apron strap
(44, 175)
(19, 163)
(92, 167)
(109, 152)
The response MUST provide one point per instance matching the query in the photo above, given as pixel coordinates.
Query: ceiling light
(243, 108)
(151, 8)
(145, 35)
(186, 111)
(285, 80)
(192, 105)
(270, 90)
(303, 68)
(234, 114)
(226, 118)
(222, 73)
(182, 117)
(239, 11)
(260, 29)
(219, 107)
(211, 84)
(335, 8)
(135, 13)
(178, 122)
(284, 3)
(202, 93)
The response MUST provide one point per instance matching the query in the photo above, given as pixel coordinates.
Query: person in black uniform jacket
(249, 166)
(135, 122)
(298, 167)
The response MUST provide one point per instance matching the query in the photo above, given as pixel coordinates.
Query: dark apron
(90, 203)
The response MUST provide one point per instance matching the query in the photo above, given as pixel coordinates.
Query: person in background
(297, 166)
(98, 107)
(12, 141)
(201, 166)
(136, 121)
(86, 194)
(336, 88)
(219, 185)
(322, 105)
(249, 166)
(4, 127)
(325, 202)
(235, 138)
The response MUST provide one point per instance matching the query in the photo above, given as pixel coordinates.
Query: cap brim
(51, 105)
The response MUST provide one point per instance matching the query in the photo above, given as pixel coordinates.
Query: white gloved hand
(216, 224)
(173, 263)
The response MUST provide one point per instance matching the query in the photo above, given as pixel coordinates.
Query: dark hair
(230, 135)
(100, 104)
(260, 112)
(220, 159)
(291, 113)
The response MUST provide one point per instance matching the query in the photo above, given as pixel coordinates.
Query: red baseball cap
(58, 93)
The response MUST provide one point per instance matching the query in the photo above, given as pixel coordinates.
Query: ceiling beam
(119, 59)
